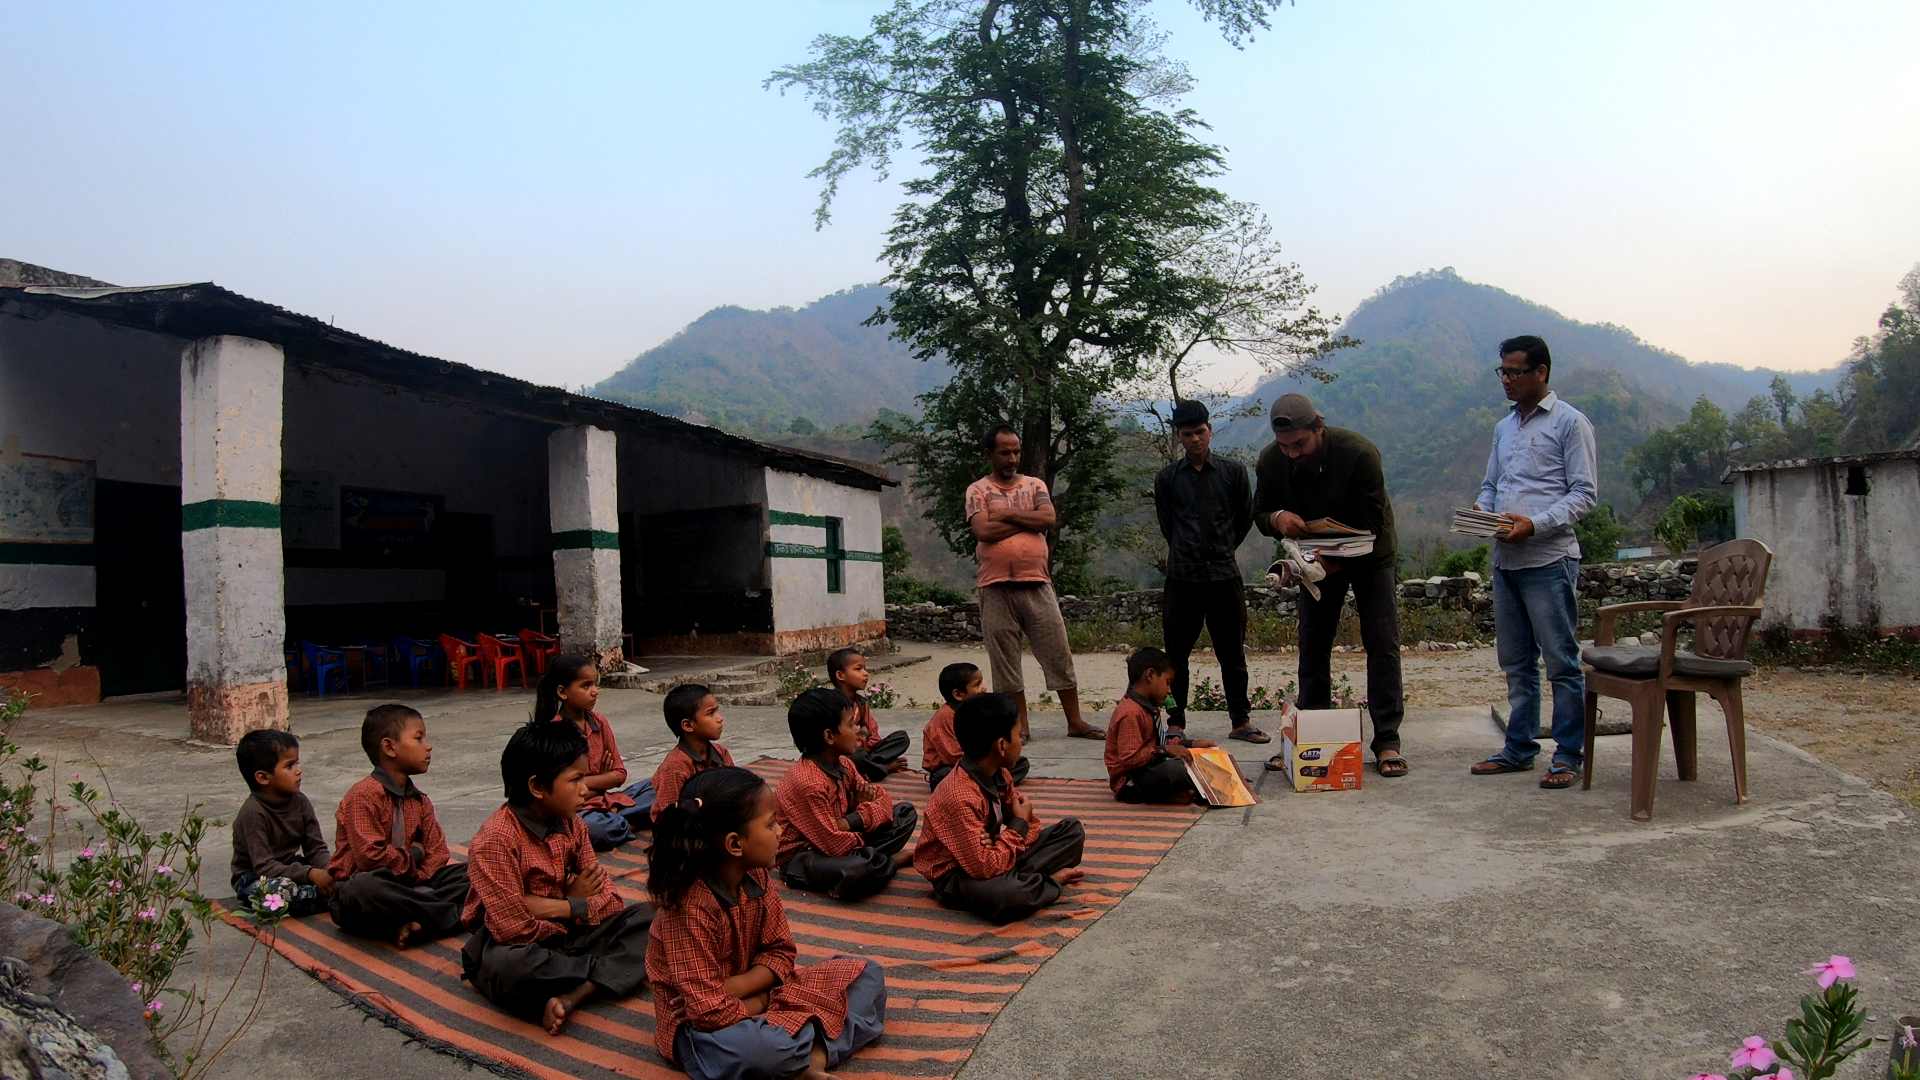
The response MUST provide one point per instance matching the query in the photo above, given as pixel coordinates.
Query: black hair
(814, 713)
(384, 722)
(688, 834)
(683, 704)
(1144, 660)
(259, 751)
(991, 440)
(954, 678)
(561, 671)
(982, 720)
(541, 750)
(1536, 350)
(840, 660)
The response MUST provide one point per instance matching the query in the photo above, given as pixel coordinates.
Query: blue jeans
(1536, 615)
(756, 1050)
(611, 828)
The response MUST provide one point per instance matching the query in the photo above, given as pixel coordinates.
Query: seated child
(276, 834)
(693, 715)
(548, 929)
(729, 1002)
(939, 746)
(847, 672)
(839, 834)
(613, 809)
(981, 847)
(390, 871)
(1144, 763)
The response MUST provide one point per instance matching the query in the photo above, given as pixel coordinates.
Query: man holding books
(1316, 479)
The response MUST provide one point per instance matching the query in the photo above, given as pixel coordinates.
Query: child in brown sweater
(276, 834)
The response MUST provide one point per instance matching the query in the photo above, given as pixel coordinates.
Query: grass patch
(1841, 647)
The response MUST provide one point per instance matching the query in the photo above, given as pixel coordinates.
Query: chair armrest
(1603, 618)
(1670, 627)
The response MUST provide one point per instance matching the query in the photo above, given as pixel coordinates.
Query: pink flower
(163, 869)
(136, 987)
(149, 914)
(86, 852)
(153, 1009)
(273, 902)
(1906, 1037)
(1835, 969)
(1707, 1076)
(1784, 1074)
(1753, 1053)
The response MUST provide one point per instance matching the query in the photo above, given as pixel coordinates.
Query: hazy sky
(547, 190)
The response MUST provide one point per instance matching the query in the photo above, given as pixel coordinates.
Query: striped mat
(948, 974)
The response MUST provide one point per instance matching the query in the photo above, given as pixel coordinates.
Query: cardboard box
(1322, 748)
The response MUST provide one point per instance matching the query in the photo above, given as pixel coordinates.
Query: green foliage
(1881, 391)
(881, 695)
(1689, 518)
(1599, 534)
(1039, 250)
(802, 426)
(796, 680)
(903, 589)
(894, 556)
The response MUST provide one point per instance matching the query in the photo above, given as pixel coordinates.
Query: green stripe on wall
(229, 513)
(47, 554)
(814, 551)
(788, 517)
(575, 539)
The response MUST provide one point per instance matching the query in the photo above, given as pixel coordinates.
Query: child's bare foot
(560, 1007)
(817, 1065)
(1070, 877)
(897, 765)
(904, 857)
(406, 935)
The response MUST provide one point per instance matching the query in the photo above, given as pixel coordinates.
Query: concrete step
(765, 697)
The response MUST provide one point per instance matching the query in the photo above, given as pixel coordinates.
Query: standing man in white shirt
(1540, 478)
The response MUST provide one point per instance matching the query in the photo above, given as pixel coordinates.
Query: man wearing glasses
(1313, 471)
(1540, 478)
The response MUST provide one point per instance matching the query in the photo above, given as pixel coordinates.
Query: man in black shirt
(1314, 471)
(1205, 506)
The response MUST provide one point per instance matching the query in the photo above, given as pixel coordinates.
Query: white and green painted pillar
(584, 510)
(230, 421)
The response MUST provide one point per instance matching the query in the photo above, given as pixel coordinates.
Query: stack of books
(1329, 538)
(1474, 522)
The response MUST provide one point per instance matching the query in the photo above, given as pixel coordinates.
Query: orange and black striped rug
(948, 974)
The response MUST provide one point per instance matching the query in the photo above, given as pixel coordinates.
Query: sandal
(1277, 763)
(1558, 777)
(1249, 733)
(1391, 767)
(1496, 766)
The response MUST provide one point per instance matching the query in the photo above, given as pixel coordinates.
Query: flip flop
(1277, 763)
(1249, 733)
(1559, 778)
(1496, 766)
(1391, 767)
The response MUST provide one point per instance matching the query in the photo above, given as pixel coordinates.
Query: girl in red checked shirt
(729, 1001)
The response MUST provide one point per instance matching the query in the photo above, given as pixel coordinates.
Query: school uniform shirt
(815, 802)
(868, 723)
(517, 854)
(278, 840)
(968, 827)
(1135, 737)
(716, 934)
(603, 755)
(940, 745)
(384, 826)
(679, 767)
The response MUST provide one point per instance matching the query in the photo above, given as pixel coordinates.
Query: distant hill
(760, 371)
(1421, 386)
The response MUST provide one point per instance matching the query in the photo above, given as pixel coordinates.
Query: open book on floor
(1218, 779)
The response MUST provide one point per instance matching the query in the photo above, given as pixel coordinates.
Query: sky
(548, 190)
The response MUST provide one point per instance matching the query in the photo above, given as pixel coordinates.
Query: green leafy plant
(130, 896)
(1828, 1031)
(796, 679)
(881, 695)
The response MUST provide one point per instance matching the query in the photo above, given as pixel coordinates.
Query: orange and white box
(1321, 748)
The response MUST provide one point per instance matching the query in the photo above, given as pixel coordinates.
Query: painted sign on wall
(388, 519)
(45, 500)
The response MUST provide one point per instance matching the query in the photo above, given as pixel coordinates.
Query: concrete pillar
(583, 505)
(230, 420)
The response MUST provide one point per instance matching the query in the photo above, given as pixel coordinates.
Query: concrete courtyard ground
(1436, 926)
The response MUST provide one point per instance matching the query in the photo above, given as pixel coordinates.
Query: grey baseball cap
(1293, 411)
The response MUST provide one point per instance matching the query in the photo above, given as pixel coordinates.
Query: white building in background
(1844, 533)
(193, 482)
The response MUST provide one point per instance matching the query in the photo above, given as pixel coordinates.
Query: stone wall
(1600, 583)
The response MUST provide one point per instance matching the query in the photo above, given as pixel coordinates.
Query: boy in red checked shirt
(1146, 761)
(549, 931)
(877, 756)
(982, 847)
(939, 746)
(840, 835)
(693, 715)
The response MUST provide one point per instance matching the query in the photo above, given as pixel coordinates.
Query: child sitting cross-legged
(729, 1001)
(693, 715)
(392, 878)
(1144, 763)
(939, 746)
(614, 809)
(276, 835)
(840, 834)
(982, 846)
(548, 929)
(876, 756)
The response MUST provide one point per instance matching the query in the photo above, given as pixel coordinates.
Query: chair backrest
(1731, 573)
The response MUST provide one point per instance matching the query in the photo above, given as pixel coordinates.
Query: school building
(192, 482)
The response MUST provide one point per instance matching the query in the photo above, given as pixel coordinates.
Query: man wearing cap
(1313, 471)
(1205, 507)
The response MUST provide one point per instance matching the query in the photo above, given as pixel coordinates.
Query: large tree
(1039, 251)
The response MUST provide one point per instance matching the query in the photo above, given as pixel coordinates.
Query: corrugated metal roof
(203, 309)
(1814, 462)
